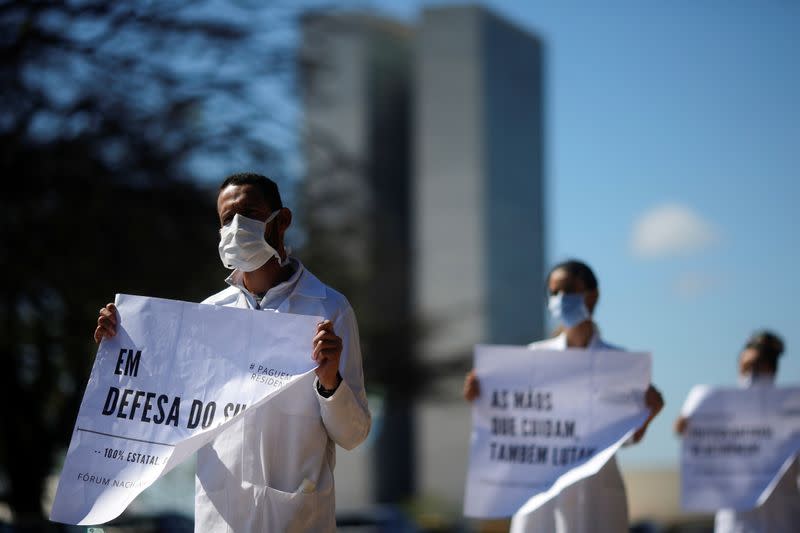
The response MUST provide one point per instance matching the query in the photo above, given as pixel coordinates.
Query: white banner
(546, 419)
(737, 445)
(165, 385)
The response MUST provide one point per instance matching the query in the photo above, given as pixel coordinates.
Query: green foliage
(108, 112)
(72, 240)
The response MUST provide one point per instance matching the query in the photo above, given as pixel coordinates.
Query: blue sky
(674, 115)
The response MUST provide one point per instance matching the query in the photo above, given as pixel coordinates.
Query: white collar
(236, 279)
(301, 281)
(595, 343)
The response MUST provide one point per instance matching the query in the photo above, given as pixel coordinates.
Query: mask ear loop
(286, 249)
(272, 217)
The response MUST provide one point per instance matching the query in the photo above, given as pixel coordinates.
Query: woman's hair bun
(766, 342)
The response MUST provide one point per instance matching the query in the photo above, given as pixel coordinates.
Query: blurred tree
(108, 112)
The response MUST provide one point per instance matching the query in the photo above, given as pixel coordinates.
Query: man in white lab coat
(272, 470)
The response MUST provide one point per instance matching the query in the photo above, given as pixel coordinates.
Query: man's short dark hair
(268, 188)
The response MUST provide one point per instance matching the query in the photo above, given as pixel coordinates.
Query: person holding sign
(780, 512)
(597, 503)
(272, 469)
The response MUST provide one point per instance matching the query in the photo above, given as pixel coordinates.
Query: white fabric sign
(165, 385)
(737, 445)
(546, 419)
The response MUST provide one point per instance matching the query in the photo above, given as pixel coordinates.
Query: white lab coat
(596, 504)
(272, 470)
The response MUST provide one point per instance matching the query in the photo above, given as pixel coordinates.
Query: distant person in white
(598, 503)
(780, 513)
(272, 470)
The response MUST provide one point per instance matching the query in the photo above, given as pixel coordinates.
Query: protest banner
(171, 379)
(546, 419)
(737, 445)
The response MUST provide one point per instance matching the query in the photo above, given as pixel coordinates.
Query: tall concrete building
(478, 181)
(424, 204)
(478, 213)
(356, 87)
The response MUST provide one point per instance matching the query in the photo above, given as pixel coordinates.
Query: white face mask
(242, 244)
(568, 309)
(750, 380)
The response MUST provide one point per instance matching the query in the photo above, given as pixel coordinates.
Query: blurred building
(479, 173)
(356, 83)
(424, 204)
(478, 213)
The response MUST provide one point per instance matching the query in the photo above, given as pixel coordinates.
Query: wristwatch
(327, 393)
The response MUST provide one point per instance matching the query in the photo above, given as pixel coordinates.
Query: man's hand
(106, 323)
(472, 388)
(655, 402)
(327, 352)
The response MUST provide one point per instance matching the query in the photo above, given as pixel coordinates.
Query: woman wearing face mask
(780, 513)
(597, 503)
